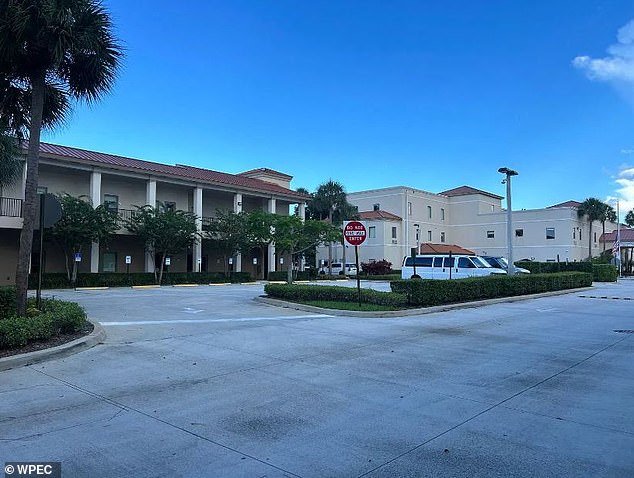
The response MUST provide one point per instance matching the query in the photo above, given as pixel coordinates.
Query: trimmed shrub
(304, 293)
(7, 302)
(377, 268)
(119, 279)
(428, 292)
(283, 275)
(56, 317)
(605, 272)
(551, 267)
(388, 277)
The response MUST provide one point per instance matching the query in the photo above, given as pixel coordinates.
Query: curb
(92, 288)
(410, 312)
(97, 336)
(145, 286)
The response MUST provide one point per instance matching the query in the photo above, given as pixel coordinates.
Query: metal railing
(10, 207)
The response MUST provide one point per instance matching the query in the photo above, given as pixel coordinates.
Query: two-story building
(122, 183)
(400, 218)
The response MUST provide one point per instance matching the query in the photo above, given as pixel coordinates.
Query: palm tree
(593, 210)
(70, 44)
(609, 214)
(629, 218)
(330, 202)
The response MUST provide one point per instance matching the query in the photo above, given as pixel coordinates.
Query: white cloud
(625, 189)
(618, 66)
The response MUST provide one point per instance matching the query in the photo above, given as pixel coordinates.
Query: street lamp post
(509, 217)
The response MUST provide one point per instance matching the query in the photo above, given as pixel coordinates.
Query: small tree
(226, 233)
(294, 236)
(79, 227)
(163, 231)
(258, 232)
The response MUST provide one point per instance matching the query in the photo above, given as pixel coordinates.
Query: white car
(337, 269)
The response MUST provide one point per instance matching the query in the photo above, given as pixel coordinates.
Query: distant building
(399, 218)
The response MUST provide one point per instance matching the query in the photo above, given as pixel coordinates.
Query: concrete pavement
(207, 382)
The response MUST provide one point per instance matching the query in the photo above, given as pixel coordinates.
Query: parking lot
(205, 381)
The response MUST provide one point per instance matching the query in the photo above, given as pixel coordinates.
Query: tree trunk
(160, 277)
(590, 242)
(30, 192)
(603, 224)
(330, 247)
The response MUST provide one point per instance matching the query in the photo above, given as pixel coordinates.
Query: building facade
(121, 184)
(400, 218)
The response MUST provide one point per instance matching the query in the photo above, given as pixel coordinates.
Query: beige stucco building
(123, 183)
(399, 218)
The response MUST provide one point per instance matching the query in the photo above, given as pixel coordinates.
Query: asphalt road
(207, 382)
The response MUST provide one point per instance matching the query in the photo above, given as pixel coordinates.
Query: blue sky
(427, 94)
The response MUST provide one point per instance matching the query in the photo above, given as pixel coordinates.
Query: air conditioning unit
(394, 241)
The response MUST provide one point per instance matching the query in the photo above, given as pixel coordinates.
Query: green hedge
(299, 293)
(389, 277)
(283, 275)
(7, 301)
(427, 292)
(56, 317)
(550, 267)
(600, 272)
(605, 272)
(118, 279)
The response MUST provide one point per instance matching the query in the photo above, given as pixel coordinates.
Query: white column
(237, 208)
(95, 198)
(198, 246)
(302, 216)
(150, 198)
(271, 252)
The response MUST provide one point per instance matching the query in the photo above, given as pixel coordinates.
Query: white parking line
(208, 321)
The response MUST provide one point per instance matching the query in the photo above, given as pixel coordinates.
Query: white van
(441, 266)
(337, 269)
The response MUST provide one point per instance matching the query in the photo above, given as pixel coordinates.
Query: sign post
(354, 233)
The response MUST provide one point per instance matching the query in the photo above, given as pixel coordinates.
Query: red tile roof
(272, 172)
(429, 248)
(379, 215)
(627, 235)
(184, 172)
(570, 203)
(467, 190)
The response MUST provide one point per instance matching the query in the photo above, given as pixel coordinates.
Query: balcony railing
(10, 207)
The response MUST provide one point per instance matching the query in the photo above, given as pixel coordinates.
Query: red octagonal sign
(354, 232)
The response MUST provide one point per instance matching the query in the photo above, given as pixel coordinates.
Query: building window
(519, 232)
(372, 232)
(595, 237)
(109, 262)
(442, 237)
(492, 208)
(409, 208)
(111, 202)
(393, 232)
(442, 214)
(428, 236)
(574, 232)
(550, 233)
(42, 190)
(376, 207)
(490, 234)
(429, 212)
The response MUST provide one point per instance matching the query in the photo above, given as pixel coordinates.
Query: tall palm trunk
(590, 242)
(30, 192)
(603, 224)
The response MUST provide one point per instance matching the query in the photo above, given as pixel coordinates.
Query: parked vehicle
(441, 266)
(337, 269)
(502, 263)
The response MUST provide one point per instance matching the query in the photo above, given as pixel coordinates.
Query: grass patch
(341, 305)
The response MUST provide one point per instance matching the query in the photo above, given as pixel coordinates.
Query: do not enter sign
(354, 233)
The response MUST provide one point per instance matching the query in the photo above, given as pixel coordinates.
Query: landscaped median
(56, 322)
(427, 293)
